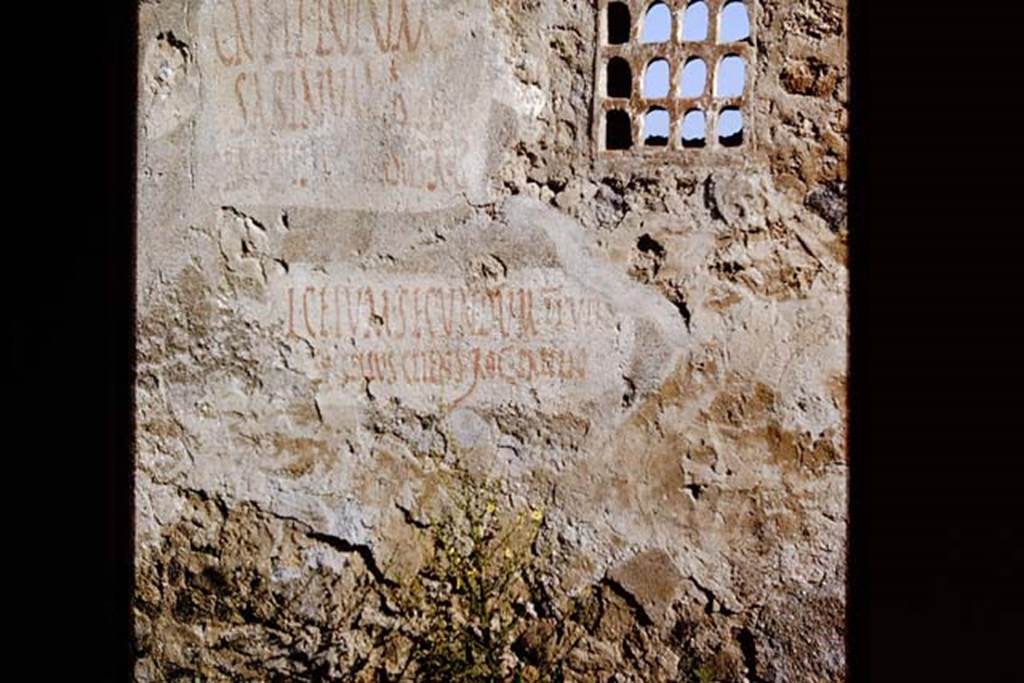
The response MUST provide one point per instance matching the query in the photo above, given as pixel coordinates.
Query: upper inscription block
(358, 104)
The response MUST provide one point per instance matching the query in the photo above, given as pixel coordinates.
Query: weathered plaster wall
(375, 237)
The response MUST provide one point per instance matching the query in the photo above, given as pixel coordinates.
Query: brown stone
(383, 244)
(650, 578)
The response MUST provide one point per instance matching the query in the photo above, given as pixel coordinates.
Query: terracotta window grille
(673, 76)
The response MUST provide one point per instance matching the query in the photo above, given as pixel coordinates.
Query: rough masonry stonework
(382, 239)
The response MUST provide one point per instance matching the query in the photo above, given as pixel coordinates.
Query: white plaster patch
(378, 105)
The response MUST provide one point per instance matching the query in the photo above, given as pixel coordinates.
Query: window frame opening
(720, 24)
(686, 18)
(684, 91)
(734, 139)
(657, 5)
(632, 95)
(618, 79)
(656, 139)
(721, 73)
(694, 142)
(618, 23)
(664, 89)
(618, 130)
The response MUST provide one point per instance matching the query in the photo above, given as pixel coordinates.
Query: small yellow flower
(537, 516)
(491, 508)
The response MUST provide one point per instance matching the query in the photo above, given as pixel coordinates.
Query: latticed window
(673, 76)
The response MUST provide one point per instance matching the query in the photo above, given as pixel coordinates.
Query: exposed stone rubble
(339, 298)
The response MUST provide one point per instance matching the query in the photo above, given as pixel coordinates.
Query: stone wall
(381, 242)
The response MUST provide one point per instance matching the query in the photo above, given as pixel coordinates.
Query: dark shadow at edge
(119, 180)
(858, 471)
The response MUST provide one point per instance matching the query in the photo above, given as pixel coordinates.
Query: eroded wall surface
(377, 237)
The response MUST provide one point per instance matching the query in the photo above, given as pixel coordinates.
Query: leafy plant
(468, 611)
